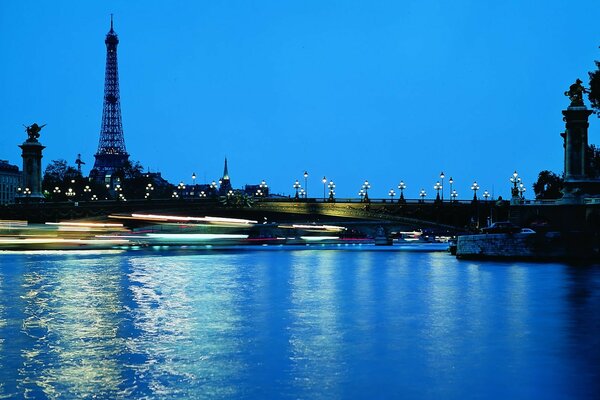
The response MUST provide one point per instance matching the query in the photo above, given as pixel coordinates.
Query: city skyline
(288, 90)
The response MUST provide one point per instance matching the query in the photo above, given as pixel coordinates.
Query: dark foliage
(594, 90)
(548, 186)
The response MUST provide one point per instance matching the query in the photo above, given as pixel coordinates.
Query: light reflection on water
(306, 324)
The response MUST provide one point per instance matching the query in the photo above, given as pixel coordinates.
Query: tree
(548, 186)
(593, 159)
(594, 91)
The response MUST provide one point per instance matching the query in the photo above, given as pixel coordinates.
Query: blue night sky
(353, 90)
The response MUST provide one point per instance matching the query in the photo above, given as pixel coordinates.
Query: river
(304, 324)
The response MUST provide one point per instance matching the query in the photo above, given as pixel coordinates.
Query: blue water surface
(295, 325)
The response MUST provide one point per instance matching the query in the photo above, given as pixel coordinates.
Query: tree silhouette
(548, 186)
(594, 91)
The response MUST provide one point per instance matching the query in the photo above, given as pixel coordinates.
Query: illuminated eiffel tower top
(112, 155)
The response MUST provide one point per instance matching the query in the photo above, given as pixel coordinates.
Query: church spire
(225, 171)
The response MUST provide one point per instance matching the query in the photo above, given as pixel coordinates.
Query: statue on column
(33, 131)
(575, 93)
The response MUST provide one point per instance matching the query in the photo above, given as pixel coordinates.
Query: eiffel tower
(112, 155)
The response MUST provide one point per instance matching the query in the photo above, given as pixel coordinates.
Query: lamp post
(87, 190)
(437, 187)
(94, 197)
(486, 195)
(70, 193)
(263, 187)
(149, 189)
(324, 180)
(515, 180)
(297, 187)
(56, 192)
(453, 195)
(303, 193)
(401, 186)
(306, 183)
(522, 190)
(202, 193)
(392, 193)
(366, 186)
(451, 182)
(181, 188)
(422, 194)
(213, 188)
(194, 178)
(442, 176)
(475, 188)
(361, 193)
(331, 191)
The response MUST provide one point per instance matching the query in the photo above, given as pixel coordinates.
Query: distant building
(225, 182)
(10, 180)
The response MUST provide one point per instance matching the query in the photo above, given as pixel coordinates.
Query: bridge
(413, 214)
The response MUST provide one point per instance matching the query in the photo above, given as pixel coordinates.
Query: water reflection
(70, 315)
(185, 326)
(315, 334)
(301, 324)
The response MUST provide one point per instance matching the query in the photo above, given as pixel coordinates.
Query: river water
(304, 324)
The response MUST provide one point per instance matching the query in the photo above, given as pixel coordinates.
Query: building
(225, 182)
(10, 181)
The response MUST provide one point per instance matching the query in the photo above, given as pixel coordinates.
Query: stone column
(576, 142)
(32, 171)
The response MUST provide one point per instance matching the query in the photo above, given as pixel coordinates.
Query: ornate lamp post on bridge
(486, 195)
(522, 190)
(475, 188)
(303, 193)
(437, 188)
(401, 186)
(442, 176)
(331, 187)
(263, 187)
(296, 186)
(392, 193)
(515, 180)
(361, 193)
(324, 180)
(306, 183)
(366, 186)
(451, 182)
(422, 194)
(453, 195)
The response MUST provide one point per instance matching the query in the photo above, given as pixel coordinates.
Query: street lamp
(475, 188)
(331, 191)
(56, 192)
(87, 189)
(437, 187)
(454, 195)
(70, 193)
(361, 193)
(392, 193)
(303, 193)
(324, 180)
(263, 187)
(486, 195)
(422, 194)
(94, 197)
(515, 180)
(442, 176)
(213, 188)
(366, 186)
(451, 181)
(306, 183)
(194, 178)
(175, 195)
(522, 190)
(149, 189)
(297, 187)
(401, 186)
(202, 193)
